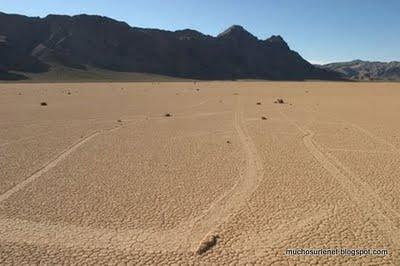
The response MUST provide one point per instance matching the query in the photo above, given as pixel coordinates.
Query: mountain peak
(188, 34)
(236, 31)
(277, 40)
(236, 28)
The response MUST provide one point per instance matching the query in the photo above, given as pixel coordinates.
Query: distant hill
(365, 70)
(84, 42)
(58, 73)
(4, 75)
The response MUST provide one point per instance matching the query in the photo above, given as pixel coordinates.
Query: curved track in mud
(188, 236)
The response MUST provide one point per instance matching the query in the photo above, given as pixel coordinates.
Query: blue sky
(320, 30)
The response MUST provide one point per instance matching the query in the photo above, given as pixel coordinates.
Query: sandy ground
(101, 176)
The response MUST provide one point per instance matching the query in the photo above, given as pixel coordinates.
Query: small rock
(207, 243)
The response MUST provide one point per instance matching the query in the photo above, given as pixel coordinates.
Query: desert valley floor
(102, 175)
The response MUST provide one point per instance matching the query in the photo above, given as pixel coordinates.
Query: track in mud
(190, 235)
(367, 200)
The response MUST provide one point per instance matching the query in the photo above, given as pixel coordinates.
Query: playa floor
(199, 173)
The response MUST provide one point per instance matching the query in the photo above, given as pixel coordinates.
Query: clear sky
(320, 30)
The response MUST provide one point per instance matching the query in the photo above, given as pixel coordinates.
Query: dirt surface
(100, 175)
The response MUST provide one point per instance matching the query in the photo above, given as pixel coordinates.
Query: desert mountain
(365, 70)
(35, 45)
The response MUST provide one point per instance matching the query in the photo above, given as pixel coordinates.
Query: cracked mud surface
(101, 176)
